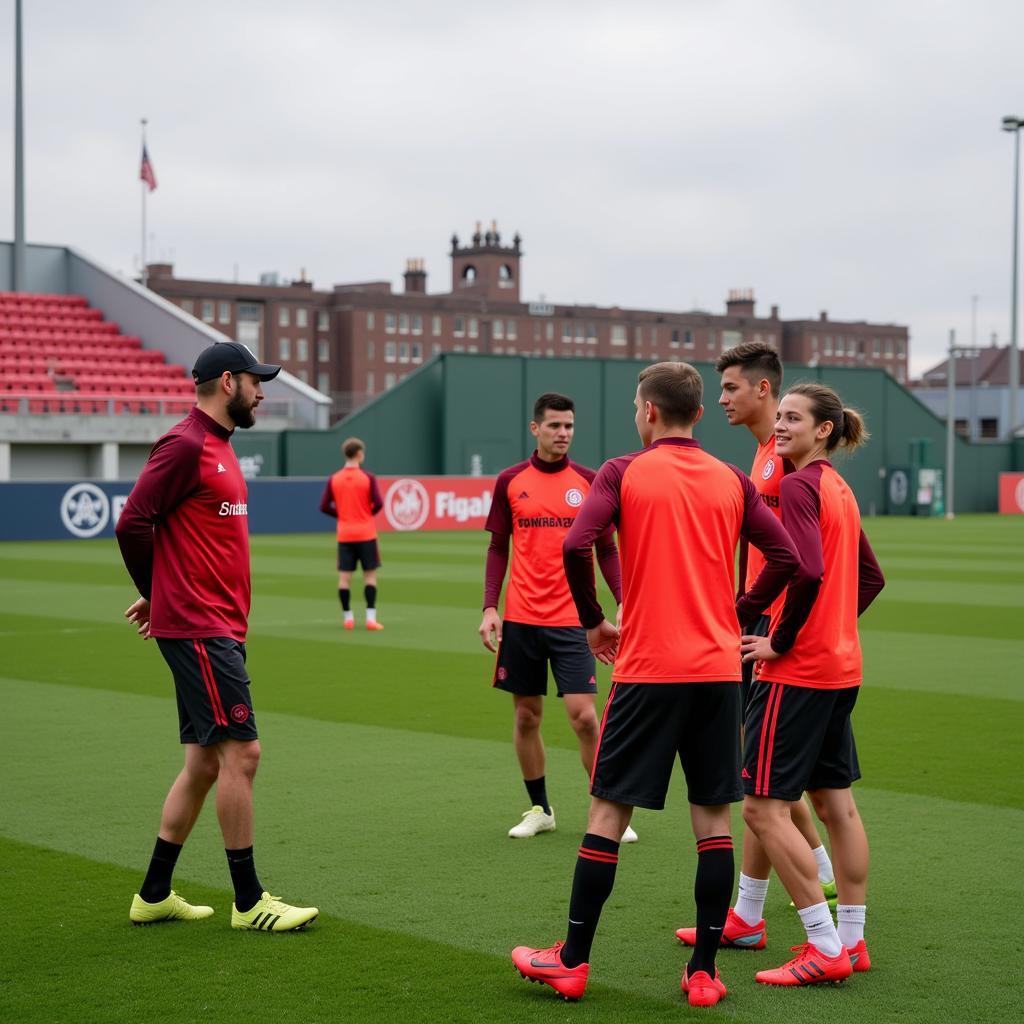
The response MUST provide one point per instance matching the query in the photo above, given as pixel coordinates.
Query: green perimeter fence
(469, 414)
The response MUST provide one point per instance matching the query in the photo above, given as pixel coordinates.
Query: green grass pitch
(388, 782)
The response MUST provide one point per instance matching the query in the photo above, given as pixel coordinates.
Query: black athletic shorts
(798, 738)
(364, 552)
(212, 688)
(757, 628)
(647, 725)
(525, 651)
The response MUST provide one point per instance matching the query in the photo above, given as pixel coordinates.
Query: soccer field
(388, 782)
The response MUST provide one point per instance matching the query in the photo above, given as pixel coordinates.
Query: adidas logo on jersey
(220, 467)
(523, 495)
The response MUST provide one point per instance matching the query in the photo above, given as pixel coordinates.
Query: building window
(390, 351)
(323, 351)
(814, 343)
(417, 352)
(498, 350)
(284, 349)
(403, 323)
(207, 311)
(283, 317)
(989, 428)
(619, 334)
(687, 339)
(888, 348)
(370, 382)
(417, 324)
(876, 347)
(472, 348)
(303, 375)
(390, 379)
(711, 339)
(901, 374)
(498, 330)
(578, 334)
(901, 348)
(436, 348)
(730, 339)
(566, 330)
(591, 334)
(301, 350)
(371, 351)
(654, 335)
(323, 383)
(435, 326)
(371, 321)
(458, 348)
(549, 331)
(390, 323)
(302, 317)
(460, 327)
(536, 330)
(839, 345)
(323, 321)
(224, 312)
(403, 351)
(828, 345)
(511, 330)
(474, 327)
(674, 339)
(187, 305)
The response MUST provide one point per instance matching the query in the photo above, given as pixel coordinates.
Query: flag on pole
(146, 172)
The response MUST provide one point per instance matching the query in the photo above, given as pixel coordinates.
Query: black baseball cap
(233, 357)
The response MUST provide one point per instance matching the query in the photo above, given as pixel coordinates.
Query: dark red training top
(184, 533)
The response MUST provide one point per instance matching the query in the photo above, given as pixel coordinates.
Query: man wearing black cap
(184, 538)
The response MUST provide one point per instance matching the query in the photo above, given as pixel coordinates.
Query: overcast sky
(842, 155)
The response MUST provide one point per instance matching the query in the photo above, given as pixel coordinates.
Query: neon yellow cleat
(174, 908)
(271, 915)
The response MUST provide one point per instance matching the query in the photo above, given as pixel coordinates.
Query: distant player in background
(184, 537)
(751, 384)
(353, 498)
(535, 503)
(798, 734)
(680, 514)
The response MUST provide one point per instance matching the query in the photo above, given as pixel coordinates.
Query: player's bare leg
(529, 747)
(238, 763)
(188, 792)
(583, 719)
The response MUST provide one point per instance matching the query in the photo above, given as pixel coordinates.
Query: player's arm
(870, 580)
(171, 473)
(596, 518)
(801, 512)
(499, 524)
(376, 501)
(327, 505)
(761, 528)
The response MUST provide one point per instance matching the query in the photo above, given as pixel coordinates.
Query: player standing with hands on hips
(184, 537)
(797, 733)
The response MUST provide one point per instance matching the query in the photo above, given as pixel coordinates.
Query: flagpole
(145, 187)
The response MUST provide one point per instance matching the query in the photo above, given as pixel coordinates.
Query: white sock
(821, 932)
(349, 617)
(825, 873)
(750, 901)
(371, 614)
(850, 920)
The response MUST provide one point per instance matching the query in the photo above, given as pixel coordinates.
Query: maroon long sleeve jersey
(184, 533)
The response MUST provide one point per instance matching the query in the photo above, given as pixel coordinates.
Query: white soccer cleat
(629, 836)
(534, 821)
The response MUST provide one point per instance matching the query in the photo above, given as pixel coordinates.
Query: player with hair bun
(797, 731)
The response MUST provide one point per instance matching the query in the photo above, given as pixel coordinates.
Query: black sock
(712, 890)
(248, 890)
(370, 593)
(157, 884)
(538, 791)
(345, 596)
(591, 886)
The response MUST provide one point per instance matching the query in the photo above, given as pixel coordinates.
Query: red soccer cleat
(735, 933)
(350, 624)
(859, 957)
(809, 967)
(373, 625)
(545, 965)
(701, 989)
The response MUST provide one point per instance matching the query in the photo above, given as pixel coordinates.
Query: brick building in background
(357, 340)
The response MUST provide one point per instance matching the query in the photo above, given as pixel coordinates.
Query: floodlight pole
(950, 423)
(18, 268)
(145, 186)
(1014, 124)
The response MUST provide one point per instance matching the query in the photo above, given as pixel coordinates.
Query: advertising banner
(85, 509)
(1011, 493)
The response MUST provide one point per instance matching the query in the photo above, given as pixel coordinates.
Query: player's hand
(491, 623)
(757, 648)
(603, 641)
(138, 615)
(618, 616)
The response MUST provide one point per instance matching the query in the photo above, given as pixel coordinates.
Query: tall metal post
(18, 277)
(1014, 124)
(145, 188)
(973, 433)
(950, 423)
